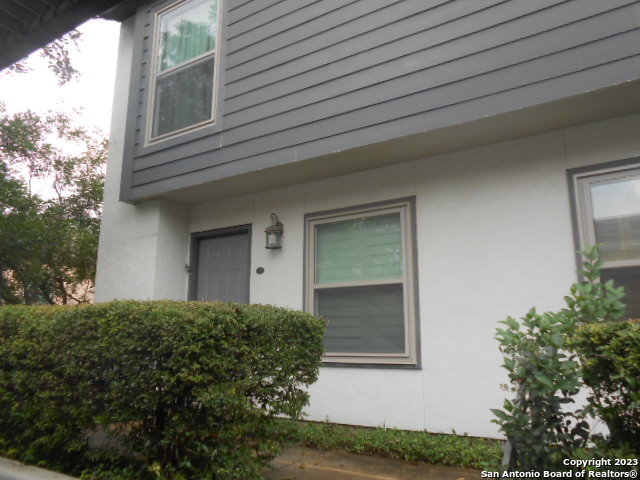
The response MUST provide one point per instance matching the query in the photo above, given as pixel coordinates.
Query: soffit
(27, 25)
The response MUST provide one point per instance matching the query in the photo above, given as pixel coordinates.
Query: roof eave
(46, 28)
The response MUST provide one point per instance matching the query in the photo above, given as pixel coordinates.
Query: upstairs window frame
(405, 208)
(155, 74)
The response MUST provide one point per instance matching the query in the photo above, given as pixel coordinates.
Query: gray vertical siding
(304, 78)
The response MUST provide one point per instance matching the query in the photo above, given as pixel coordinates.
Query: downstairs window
(608, 204)
(360, 277)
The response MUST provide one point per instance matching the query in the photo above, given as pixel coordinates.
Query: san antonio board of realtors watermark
(595, 468)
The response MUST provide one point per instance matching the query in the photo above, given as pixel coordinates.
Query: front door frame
(194, 257)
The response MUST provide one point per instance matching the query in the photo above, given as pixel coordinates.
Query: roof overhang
(27, 25)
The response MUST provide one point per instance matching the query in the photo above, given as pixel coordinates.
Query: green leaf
(512, 323)
(509, 364)
(557, 339)
(544, 380)
(500, 414)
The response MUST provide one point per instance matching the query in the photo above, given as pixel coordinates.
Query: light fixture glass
(274, 233)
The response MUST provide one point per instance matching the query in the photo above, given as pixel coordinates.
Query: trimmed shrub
(610, 358)
(183, 389)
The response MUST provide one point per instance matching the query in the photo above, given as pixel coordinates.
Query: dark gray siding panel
(420, 50)
(233, 4)
(305, 11)
(354, 19)
(304, 78)
(239, 9)
(319, 43)
(143, 79)
(473, 56)
(563, 87)
(436, 99)
(276, 17)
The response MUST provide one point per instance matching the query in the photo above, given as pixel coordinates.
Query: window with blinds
(609, 214)
(360, 278)
(184, 68)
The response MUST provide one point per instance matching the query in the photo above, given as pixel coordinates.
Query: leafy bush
(452, 450)
(184, 390)
(546, 375)
(542, 433)
(591, 300)
(610, 357)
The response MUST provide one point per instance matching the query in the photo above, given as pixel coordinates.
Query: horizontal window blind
(187, 32)
(368, 248)
(363, 319)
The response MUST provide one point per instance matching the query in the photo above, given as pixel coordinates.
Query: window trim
(406, 207)
(149, 140)
(582, 180)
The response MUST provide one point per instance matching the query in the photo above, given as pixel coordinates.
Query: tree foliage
(48, 240)
(57, 55)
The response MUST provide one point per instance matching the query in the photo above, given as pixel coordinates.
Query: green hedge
(187, 390)
(610, 358)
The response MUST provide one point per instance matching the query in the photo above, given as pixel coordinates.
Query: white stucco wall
(494, 238)
(137, 255)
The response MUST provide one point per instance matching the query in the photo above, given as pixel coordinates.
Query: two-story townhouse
(433, 166)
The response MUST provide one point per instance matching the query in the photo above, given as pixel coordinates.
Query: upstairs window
(360, 278)
(609, 214)
(183, 80)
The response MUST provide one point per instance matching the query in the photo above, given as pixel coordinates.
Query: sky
(616, 199)
(92, 92)
(88, 98)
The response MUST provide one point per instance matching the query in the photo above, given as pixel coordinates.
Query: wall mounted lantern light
(274, 233)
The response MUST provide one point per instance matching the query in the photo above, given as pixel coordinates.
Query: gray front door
(223, 268)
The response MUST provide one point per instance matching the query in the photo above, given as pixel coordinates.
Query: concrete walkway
(302, 464)
(11, 470)
(308, 464)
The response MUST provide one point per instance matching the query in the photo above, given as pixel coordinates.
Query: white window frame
(582, 188)
(405, 209)
(153, 74)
